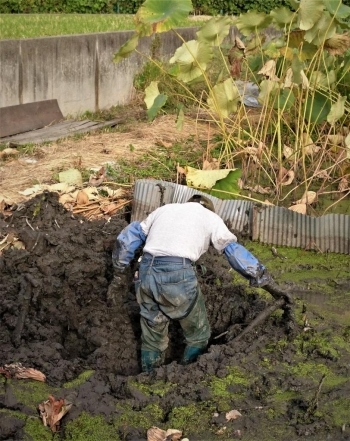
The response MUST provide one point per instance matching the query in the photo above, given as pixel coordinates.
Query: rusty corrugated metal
(268, 224)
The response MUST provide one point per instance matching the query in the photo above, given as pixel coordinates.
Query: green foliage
(90, 428)
(81, 379)
(301, 69)
(235, 7)
(56, 6)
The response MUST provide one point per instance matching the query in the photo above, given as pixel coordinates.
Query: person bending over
(173, 237)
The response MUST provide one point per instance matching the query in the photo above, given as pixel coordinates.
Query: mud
(55, 318)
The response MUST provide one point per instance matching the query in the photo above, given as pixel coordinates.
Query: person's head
(206, 202)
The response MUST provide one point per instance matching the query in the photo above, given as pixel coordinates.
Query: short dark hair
(206, 202)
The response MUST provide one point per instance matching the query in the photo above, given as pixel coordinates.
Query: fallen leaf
(173, 435)
(82, 198)
(17, 370)
(211, 165)
(287, 176)
(343, 185)
(52, 411)
(299, 208)
(98, 177)
(266, 202)
(156, 434)
(336, 139)
(8, 153)
(308, 197)
(288, 152)
(308, 145)
(323, 174)
(233, 415)
(165, 144)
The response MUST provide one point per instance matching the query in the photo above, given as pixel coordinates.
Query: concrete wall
(77, 70)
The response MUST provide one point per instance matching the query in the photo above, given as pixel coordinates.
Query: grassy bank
(13, 26)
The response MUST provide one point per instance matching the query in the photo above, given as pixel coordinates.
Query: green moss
(194, 418)
(36, 431)
(318, 343)
(82, 378)
(13, 413)
(31, 393)
(235, 379)
(159, 388)
(128, 418)
(90, 428)
(315, 371)
(337, 410)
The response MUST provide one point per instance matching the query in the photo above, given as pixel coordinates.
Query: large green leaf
(211, 181)
(223, 98)
(320, 80)
(192, 59)
(252, 21)
(336, 8)
(125, 50)
(229, 186)
(325, 28)
(317, 107)
(154, 100)
(205, 179)
(158, 103)
(268, 92)
(282, 16)
(162, 15)
(310, 11)
(337, 110)
(284, 99)
(215, 30)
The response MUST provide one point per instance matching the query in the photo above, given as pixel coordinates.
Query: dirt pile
(55, 318)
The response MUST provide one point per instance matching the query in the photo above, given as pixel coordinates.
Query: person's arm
(126, 244)
(249, 267)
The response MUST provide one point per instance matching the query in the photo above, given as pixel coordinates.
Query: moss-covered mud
(54, 317)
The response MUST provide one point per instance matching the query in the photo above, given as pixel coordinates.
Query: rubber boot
(191, 354)
(151, 360)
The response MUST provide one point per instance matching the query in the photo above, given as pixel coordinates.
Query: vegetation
(297, 146)
(17, 26)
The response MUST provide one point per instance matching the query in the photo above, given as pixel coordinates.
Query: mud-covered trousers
(167, 288)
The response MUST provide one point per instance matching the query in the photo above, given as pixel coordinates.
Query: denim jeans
(168, 290)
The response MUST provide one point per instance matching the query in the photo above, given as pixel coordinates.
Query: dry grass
(92, 151)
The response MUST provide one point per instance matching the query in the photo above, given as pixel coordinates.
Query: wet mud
(55, 318)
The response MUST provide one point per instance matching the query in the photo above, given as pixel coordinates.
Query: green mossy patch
(130, 418)
(36, 431)
(159, 388)
(81, 379)
(90, 428)
(194, 418)
(233, 385)
(31, 393)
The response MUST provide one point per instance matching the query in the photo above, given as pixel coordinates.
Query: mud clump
(55, 318)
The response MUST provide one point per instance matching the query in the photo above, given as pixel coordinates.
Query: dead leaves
(156, 434)
(10, 241)
(17, 370)
(52, 411)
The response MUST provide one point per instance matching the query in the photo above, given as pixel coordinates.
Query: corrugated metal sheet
(235, 213)
(271, 225)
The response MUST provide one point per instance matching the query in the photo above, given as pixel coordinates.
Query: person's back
(184, 230)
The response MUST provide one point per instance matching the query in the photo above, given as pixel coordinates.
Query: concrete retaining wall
(77, 70)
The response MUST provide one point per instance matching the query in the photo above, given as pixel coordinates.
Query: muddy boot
(151, 360)
(191, 354)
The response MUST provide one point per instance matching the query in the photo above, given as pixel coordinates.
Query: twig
(27, 222)
(220, 335)
(57, 223)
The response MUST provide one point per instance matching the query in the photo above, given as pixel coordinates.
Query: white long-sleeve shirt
(184, 230)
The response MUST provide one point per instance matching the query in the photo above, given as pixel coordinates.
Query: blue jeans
(167, 290)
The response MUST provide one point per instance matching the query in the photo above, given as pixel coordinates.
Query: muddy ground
(55, 318)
